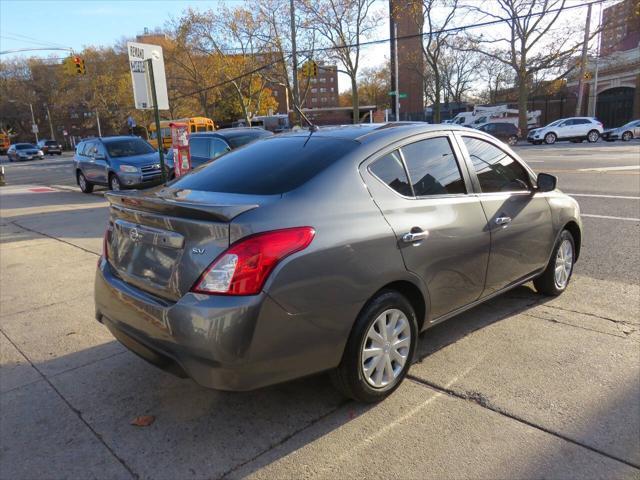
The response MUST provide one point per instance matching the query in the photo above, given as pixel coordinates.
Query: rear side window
(199, 147)
(274, 166)
(218, 147)
(496, 171)
(390, 170)
(433, 168)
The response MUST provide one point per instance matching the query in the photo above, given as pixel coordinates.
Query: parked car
(116, 162)
(507, 132)
(328, 250)
(206, 146)
(50, 147)
(24, 151)
(626, 132)
(576, 129)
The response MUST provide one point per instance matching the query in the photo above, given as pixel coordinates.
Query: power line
(385, 40)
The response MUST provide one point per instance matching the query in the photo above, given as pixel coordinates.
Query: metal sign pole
(149, 63)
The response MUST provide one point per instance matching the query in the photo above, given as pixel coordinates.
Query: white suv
(575, 129)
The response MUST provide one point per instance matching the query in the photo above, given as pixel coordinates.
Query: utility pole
(294, 62)
(593, 93)
(33, 123)
(583, 63)
(53, 137)
(98, 121)
(395, 73)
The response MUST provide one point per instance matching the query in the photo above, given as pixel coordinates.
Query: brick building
(322, 91)
(621, 27)
(407, 14)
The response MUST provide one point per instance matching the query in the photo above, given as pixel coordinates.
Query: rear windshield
(24, 146)
(273, 166)
(51, 142)
(128, 148)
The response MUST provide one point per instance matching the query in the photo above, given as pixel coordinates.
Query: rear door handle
(412, 237)
(503, 220)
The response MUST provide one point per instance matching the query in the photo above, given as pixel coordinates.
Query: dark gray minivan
(328, 251)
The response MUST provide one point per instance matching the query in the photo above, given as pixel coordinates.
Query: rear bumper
(222, 342)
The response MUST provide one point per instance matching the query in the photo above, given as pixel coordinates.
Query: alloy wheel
(564, 264)
(626, 136)
(83, 182)
(115, 183)
(386, 348)
(593, 136)
(550, 138)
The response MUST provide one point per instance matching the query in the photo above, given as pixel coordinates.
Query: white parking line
(608, 217)
(621, 197)
(610, 169)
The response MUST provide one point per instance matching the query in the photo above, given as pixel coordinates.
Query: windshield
(128, 148)
(553, 124)
(51, 142)
(24, 146)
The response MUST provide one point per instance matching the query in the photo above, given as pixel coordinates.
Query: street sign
(34, 128)
(402, 95)
(142, 95)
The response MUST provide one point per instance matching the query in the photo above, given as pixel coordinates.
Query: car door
(100, 163)
(582, 127)
(440, 228)
(636, 129)
(519, 218)
(88, 162)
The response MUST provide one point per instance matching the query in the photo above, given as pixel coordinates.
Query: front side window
(390, 170)
(496, 170)
(433, 168)
(218, 147)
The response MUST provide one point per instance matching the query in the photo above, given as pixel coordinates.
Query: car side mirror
(547, 182)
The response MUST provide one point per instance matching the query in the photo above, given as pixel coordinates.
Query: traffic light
(74, 65)
(310, 69)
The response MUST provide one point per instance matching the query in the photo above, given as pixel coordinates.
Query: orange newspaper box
(180, 145)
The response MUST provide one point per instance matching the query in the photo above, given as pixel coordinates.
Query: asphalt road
(521, 387)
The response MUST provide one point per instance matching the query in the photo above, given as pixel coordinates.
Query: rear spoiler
(178, 208)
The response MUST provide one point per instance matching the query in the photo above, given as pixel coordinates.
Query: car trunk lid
(162, 241)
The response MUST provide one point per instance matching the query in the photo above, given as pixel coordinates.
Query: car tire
(85, 185)
(626, 136)
(351, 377)
(512, 140)
(593, 136)
(550, 138)
(114, 183)
(555, 278)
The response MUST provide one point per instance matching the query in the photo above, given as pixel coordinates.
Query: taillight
(245, 266)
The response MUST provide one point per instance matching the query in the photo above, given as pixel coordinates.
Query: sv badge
(197, 251)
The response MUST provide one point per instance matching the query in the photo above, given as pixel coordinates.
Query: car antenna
(312, 127)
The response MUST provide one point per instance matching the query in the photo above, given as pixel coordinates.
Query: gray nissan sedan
(328, 250)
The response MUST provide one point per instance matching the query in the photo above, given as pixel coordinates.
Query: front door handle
(416, 236)
(503, 220)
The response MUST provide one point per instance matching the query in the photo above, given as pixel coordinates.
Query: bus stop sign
(142, 95)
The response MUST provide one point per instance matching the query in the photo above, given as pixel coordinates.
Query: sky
(79, 23)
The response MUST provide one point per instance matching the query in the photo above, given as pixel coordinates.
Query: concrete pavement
(520, 387)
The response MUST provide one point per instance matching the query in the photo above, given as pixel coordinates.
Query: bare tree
(496, 75)
(536, 40)
(344, 24)
(459, 70)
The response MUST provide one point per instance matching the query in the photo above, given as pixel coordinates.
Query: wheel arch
(413, 294)
(575, 232)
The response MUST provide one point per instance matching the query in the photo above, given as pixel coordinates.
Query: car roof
(368, 132)
(231, 132)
